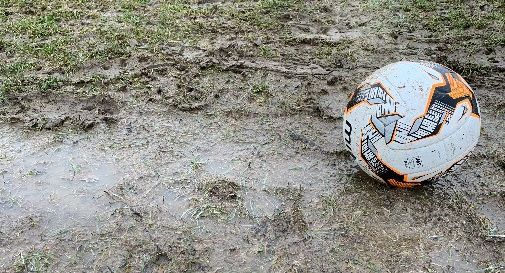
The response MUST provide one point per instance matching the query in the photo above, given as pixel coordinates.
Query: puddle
(450, 258)
(175, 203)
(225, 159)
(260, 204)
(63, 182)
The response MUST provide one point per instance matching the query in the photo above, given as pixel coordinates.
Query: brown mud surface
(221, 150)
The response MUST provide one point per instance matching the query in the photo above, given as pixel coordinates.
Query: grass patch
(449, 19)
(130, 5)
(32, 261)
(275, 5)
(16, 68)
(495, 40)
(9, 86)
(66, 36)
(260, 92)
(36, 27)
(49, 83)
(338, 54)
(268, 51)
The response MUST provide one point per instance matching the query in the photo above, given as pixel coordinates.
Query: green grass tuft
(36, 27)
(33, 261)
(275, 5)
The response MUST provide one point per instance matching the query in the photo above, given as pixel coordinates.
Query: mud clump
(189, 98)
(189, 95)
(221, 189)
(218, 199)
(46, 123)
(52, 112)
(151, 251)
(179, 255)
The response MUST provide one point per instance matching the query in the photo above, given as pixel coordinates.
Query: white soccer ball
(411, 122)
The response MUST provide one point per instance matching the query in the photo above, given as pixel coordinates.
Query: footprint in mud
(287, 220)
(494, 210)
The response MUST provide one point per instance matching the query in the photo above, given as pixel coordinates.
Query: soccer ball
(411, 122)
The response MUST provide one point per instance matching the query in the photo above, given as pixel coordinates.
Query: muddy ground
(205, 136)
